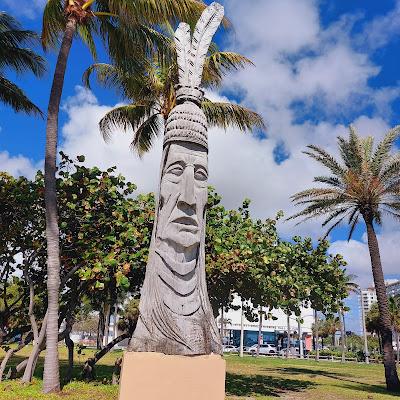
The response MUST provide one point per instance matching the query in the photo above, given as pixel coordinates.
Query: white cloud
(81, 135)
(306, 75)
(26, 8)
(357, 255)
(18, 165)
(382, 29)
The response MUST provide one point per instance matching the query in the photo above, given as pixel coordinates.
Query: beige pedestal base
(155, 376)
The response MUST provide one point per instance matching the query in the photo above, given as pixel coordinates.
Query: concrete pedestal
(155, 376)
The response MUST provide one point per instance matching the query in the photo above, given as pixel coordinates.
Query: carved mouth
(187, 221)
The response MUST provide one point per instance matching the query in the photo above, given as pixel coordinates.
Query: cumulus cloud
(306, 76)
(382, 29)
(18, 165)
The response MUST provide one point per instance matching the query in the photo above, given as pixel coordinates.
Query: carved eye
(176, 170)
(201, 174)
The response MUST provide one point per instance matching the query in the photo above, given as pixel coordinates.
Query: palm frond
(353, 221)
(146, 133)
(12, 95)
(333, 215)
(22, 60)
(106, 74)
(325, 159)
(383, 149)
(85, 31)
(53, 24)
(155, 12)
(329, 180)
(219, 63)
(391, 168)
(124, 118)
(315, 193)
(13, 53)
(224, 115)
(351, 150)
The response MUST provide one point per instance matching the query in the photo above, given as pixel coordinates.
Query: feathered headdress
(191, 52)
(187, 121)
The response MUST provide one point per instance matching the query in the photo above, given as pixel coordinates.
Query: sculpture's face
(183, 195)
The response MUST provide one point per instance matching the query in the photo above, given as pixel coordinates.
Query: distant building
(368, 298)
(273, 331)
(393, 289)
(369, 295)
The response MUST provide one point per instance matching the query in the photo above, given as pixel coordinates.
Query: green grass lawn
(247, 378)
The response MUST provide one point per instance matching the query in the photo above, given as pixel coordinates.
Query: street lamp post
(364, 328)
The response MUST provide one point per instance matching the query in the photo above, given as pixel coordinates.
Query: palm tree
(152, 93)
(19, 59)
(125, 26)
(366, 185)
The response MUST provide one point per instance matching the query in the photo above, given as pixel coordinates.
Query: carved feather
(203, 34)
(183, 44)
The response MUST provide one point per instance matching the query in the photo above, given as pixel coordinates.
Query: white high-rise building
(368, 297)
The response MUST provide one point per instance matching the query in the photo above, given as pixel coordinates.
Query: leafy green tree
(365, 185)
(152, 95)
(394, 308)
(64, 19)
(105, 235)
(15, 56)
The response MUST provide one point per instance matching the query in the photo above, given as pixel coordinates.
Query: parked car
(264, 349)
(229, 348)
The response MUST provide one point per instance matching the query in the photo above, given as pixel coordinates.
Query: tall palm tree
(126, 28)
(152, 92)
(364, 186)
(14, 56)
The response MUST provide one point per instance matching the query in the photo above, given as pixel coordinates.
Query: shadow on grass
(313, 373)
(263, 385)
(103, 372)
(371, 389)
(346, 381)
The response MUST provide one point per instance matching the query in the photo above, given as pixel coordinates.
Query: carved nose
(187, 195)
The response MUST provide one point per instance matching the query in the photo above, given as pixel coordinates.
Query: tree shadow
(313, 373)
(264, 385)
(103, 372)
(346, 381)
(371, 389)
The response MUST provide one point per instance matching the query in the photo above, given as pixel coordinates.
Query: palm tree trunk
(398, 347)
(51, 374)
(392, 379)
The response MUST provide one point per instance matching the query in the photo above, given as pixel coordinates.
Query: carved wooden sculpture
(175, 313)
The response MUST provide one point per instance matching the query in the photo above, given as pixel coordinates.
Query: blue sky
(320, 65)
